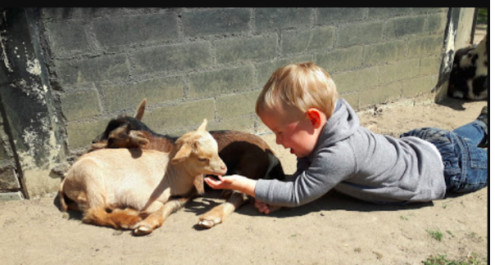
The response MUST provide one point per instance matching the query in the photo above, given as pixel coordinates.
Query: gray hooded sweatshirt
(355, 161)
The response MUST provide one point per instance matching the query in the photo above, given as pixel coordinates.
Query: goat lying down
(244, 154)
(139, 188)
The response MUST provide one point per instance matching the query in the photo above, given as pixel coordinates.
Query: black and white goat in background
(468, 78)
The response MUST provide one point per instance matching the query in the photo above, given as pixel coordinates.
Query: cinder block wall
(195, 63)
(191, 64)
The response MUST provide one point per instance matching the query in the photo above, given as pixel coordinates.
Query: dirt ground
(332, 230)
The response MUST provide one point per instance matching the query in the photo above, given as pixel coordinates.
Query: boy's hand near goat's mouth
(232, 182)
(242, 184)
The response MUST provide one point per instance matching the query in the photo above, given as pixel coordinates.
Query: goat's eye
(203, 159)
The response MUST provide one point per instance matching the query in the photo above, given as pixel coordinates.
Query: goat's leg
(218, 214)
(156, 218)
(96, 211)
(116, 218)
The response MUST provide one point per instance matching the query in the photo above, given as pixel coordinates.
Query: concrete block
(242, 49)
(304, 57)
(400, 27)
(322, 38)
(65, 13)
(333, 15)
(243, 123)
(108, 67)
(125, 30)
(429, 65)
(359, 34)
(265, 70)
(222, 81)
(11, 196)
(67, 38)
(427, 45)
(398, 71)
(418, 85)
(180, 118)
(384, 52)
(435, 23)
(200, 22)
(357, 80)
(172, 58)
(129, 95)
(379, 95)
(80, 134)
(426, 10)
(295, 41)
(80, 104)
(269, 19)
(340, 59)
(235, 105)
(388, 12)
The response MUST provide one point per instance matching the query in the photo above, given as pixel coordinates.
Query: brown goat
(244, 154)
(139, 188)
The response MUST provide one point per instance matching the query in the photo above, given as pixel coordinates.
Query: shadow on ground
(454, 103)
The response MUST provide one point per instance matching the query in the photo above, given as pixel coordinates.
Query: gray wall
(195, 63)
(211, 63)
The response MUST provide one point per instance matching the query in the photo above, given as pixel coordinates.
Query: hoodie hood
(343, 123)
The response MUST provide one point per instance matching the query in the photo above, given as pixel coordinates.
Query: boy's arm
(315, 179)
(233, 182)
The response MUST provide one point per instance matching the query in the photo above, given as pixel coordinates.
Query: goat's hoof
(142, 230)
(206, 223)
(66, 215)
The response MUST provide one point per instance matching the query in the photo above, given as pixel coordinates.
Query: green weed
(442, 260)
(437, 235)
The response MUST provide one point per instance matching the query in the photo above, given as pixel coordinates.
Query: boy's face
(292, 129)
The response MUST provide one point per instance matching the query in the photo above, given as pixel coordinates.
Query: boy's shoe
(484, 118)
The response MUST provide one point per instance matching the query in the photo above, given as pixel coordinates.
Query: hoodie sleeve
(326, 169)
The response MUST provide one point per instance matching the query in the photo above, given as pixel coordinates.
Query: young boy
(299, 104)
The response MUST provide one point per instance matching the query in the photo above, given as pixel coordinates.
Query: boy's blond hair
(300, 86)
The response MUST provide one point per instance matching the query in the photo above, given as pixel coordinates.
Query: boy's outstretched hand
(233, 182)
(221, 182)
(242, 184)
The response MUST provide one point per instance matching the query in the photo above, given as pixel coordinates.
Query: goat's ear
(183, 153)
(119, 132)
(137, 138)
(202, 127)
(140, 109)
(99, 145)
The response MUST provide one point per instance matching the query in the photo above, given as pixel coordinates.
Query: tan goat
(244, 154)
(138, 189)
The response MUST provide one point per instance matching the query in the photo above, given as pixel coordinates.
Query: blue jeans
(465, 164)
